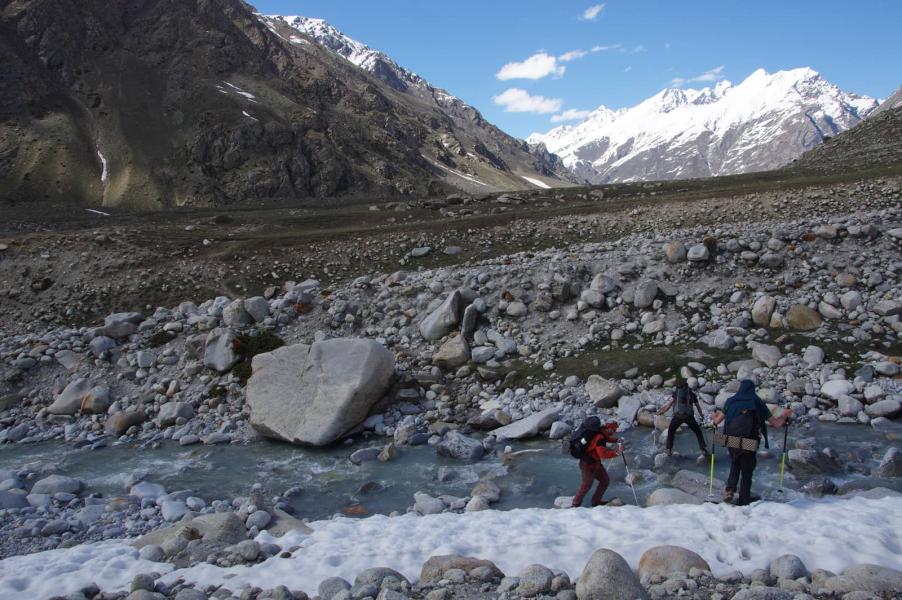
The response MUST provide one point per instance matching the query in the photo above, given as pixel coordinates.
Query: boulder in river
(456, 445)
(313, 395)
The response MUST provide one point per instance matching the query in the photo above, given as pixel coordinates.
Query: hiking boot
(751, 499)
(727, 497)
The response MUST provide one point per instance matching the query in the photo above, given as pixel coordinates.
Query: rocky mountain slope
(763, 123)
(874, 143)
(894, 101)
(165, 102)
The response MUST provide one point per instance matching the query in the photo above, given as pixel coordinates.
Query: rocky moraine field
(248, 411)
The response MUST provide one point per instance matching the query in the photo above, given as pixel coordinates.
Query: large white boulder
(529, 427)
(312, 395)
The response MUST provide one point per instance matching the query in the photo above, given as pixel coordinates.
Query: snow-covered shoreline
(829, 534)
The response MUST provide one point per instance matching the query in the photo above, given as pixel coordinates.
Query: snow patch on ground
(537, 182)
(249, 116)
(458, 173)
(237, 90)
(105, 172)
(830, 534)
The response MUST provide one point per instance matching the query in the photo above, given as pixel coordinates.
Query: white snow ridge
(763, 123)
(829, 534)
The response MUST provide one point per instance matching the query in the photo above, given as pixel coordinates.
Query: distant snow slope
(763, 123)
(829, 534)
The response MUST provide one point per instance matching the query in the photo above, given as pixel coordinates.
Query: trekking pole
(629, 479)
(783, 457)
(711, 477)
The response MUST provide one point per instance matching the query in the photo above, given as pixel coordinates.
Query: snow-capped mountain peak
(764, 122)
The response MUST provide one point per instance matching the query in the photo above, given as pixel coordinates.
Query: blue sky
(480, 51)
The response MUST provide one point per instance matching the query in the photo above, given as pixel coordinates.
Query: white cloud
(591, 13)
(520, 101)
(572, 55)
(628, 69)
(537, 66)
(715, 74)
(571, 114)
(640, 48)
(606, 48)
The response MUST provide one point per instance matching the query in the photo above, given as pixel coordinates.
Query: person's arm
(665, 408)
(698, 406)
(718, 417)
(780, 420)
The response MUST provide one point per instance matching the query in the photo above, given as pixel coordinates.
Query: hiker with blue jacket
(682, 401)
(745, 418)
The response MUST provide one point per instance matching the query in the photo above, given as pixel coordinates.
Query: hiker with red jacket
(588, 444)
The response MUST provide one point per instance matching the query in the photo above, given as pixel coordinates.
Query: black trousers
(675, 423)
(742, 465)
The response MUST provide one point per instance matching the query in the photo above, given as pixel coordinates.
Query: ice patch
(249, 116)
(104, 173)
(830, 534)
(537, 182)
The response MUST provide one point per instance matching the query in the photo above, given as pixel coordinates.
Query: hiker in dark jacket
(682, 401)
(745, 418)
(590, 467)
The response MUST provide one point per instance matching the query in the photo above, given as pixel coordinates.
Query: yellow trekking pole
(711, 477)
(783, 457)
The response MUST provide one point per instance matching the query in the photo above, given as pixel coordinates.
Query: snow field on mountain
(829, 534)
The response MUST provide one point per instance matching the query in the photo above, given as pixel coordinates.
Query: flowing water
(533, 477)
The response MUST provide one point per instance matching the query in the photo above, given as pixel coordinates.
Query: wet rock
(424, 504)
(313, 395)
(456, 445)
(889, 408)
(890, 465)
(810, 462)
(55, 484)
